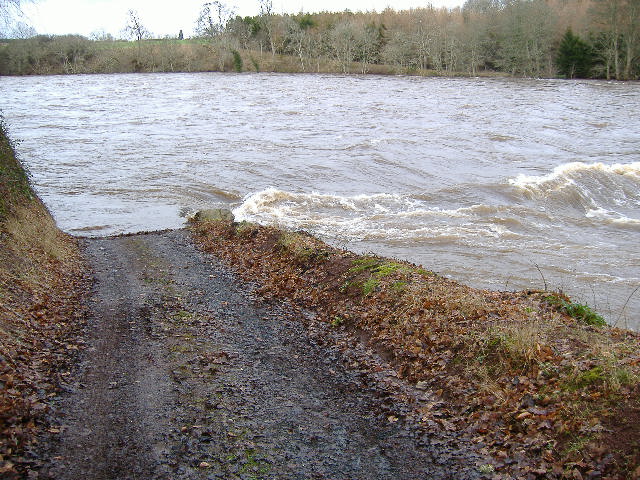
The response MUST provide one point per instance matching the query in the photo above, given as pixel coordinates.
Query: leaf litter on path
(187, 372)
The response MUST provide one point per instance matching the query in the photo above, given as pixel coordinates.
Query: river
(498, 183)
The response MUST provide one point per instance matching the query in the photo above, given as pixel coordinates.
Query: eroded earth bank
(186, 373)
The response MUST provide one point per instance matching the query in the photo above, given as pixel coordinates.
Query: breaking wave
(374, 216)
(581, 193)
(606, 193)
(612, 218)
(618, 178)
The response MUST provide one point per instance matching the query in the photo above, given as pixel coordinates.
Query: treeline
(534, 38)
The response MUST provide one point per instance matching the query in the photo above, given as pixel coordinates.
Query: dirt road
(188, 375)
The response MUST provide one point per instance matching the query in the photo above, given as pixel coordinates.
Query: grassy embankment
(530, 377)
(40, 287)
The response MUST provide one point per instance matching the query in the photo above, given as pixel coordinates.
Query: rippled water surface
(499, 183)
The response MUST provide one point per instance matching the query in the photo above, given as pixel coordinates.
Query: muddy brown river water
(499, 183)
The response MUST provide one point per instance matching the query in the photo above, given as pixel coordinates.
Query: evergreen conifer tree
(575, 57)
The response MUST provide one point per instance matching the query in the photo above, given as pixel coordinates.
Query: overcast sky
(162, 17)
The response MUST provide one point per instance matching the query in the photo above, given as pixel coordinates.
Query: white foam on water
(566, 175)
(612, 218)
(593, 190)
(276, 203)
(366, 217)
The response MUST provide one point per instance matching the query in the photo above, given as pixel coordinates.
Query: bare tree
(101, 36)
(8, 6)
(20, 30)
(619, 22)
(213, 19)
(527, 36)
(516, 36)
(428, 37)
(398, 49)
(296, 39)
(267, 21)
(213, 24)
(631, 30)
(344, 43)
(135, 27)
(608, 14)
(9, 9)
(369, 42)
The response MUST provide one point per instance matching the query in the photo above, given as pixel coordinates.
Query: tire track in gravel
(188, 375)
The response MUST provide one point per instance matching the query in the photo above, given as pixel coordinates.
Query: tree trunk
(616, 55)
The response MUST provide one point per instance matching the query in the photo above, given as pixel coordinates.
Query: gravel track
(187, 374)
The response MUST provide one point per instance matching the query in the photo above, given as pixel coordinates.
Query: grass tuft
(580, 312)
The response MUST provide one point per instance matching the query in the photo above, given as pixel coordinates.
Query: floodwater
(498, 183)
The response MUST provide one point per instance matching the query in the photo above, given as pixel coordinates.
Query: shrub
(237, 61)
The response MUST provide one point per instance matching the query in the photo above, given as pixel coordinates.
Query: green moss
(299, 247)
(580, 312)
(399, 286)
(246, 229)
(378, 270)
(593, 376)
(624, 376)
(345, 286)
(578, 444)
(363, 264)
(425, 273)
(370, 285)
(183, 315)
(254, 464)
(388, 268)
(375, 265)
(608, 375)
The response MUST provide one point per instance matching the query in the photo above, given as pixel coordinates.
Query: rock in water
(214, 215)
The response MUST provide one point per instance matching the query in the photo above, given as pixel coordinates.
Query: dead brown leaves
(532, 388)
(41, 283)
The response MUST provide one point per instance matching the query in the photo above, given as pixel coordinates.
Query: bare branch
(135, 27)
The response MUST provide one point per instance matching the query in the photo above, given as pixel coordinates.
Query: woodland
(528, 38)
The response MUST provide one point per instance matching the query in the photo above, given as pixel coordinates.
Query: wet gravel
(188, 374)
